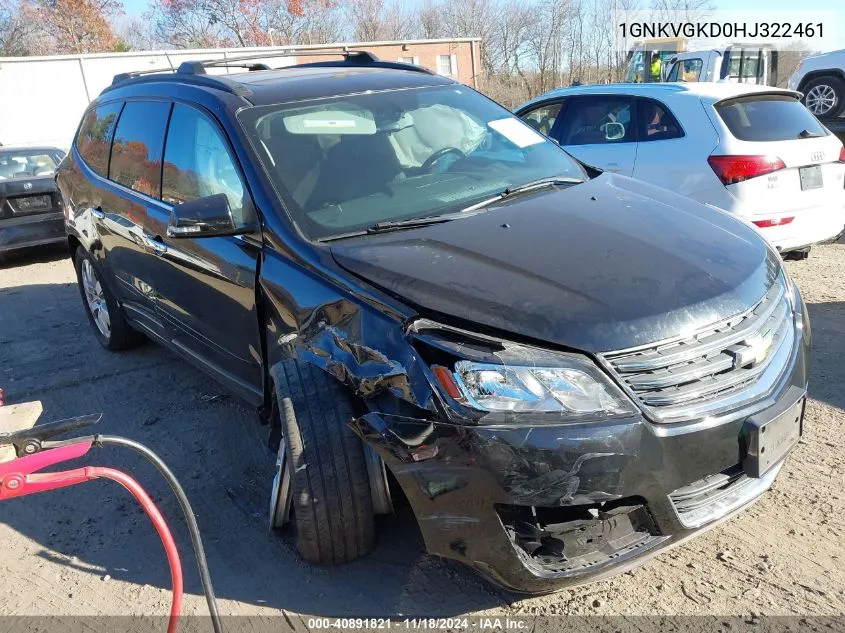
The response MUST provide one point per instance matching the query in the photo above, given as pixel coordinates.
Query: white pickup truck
(822, 80)
(738, 63)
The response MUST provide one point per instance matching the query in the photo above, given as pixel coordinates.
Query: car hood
(606, 265)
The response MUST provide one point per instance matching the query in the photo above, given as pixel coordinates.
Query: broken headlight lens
(574, 390)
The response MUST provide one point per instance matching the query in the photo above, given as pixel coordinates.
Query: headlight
(571, 390)
(498, 381)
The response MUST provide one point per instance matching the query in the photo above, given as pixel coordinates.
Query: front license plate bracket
(768, 439)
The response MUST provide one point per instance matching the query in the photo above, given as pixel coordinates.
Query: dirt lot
(91, 551)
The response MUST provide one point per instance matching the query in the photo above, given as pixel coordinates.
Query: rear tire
(824, 96)
(330, 504)
(798, 255)
(110, 327)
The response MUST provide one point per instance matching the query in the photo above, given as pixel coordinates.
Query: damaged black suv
(565, 372)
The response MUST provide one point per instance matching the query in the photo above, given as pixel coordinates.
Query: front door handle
(155, 244)
(98, 213)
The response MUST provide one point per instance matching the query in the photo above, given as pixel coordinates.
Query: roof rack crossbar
(198, 67)
(378, 63)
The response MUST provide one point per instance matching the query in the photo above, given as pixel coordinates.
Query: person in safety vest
(656, 65)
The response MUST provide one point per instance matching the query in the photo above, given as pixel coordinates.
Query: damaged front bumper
(539, 508)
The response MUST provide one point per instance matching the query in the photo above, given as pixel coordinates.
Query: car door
(663, 156)
(122, 144)
(205, 287)
(599, 130)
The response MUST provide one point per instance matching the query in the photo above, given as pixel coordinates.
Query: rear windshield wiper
(809, 134)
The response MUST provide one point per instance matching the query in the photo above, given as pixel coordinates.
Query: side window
(94, 138)
(688, 70)
(656, 122)
(543, 118)
(136, 151)
(597, 120)
(197, 163)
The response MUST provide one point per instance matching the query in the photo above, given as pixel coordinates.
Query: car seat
(358, 166)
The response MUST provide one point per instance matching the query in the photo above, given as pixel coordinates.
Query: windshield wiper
(410, 223)
(528, 186)
(397, 225)
(540, 184)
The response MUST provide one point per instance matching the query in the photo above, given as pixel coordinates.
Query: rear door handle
(98, 213)
(155, 244)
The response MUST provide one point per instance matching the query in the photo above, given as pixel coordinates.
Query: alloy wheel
(95, 298)
(820, 99)
(282, 494)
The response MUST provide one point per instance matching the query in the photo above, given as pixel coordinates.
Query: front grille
(711, 366)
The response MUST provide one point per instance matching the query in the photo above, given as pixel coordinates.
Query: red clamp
(20, 476)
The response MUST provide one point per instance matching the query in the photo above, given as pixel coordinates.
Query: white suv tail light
(733, 169)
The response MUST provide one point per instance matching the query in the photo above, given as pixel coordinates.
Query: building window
(447, 65)
(406, 60)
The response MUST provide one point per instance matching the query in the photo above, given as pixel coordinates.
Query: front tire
(110, 327)
(330, 506)
(825, 96)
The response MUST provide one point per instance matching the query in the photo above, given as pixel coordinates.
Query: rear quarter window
(95, 133)
(768, 118)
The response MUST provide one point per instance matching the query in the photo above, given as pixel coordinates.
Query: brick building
(458, 58)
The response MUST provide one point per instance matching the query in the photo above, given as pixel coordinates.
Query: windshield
(28, 163)
(347, 163)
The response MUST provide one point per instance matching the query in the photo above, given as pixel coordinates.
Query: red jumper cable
(20, 477)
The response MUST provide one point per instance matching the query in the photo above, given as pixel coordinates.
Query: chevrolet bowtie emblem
(751, 351)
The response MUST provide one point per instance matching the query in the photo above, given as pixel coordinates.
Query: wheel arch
(815, 74)
(73, 243)
(346, 332)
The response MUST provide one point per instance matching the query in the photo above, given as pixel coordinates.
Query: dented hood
(606, 265)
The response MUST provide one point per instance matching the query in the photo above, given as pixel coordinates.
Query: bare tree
(430, 21)
(17, 31)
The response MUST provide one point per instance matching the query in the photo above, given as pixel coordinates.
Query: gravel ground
(90, 551)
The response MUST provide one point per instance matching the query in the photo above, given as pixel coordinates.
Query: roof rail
(138, 73)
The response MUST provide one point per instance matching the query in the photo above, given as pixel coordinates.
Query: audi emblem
(27, 185)
(817, 157)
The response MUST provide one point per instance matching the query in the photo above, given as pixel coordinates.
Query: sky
(137, 7)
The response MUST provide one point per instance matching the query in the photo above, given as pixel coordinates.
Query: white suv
(822, 80)
(752, 151)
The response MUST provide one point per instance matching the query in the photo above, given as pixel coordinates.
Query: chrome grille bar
(711, 366)
(715, 338)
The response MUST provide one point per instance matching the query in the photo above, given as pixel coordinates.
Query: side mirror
(613, 131)
(201, 217)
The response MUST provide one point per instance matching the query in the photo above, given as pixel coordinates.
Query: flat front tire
(322, 467)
